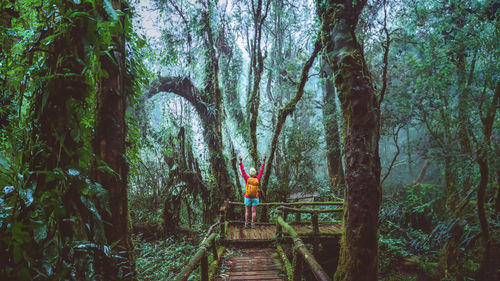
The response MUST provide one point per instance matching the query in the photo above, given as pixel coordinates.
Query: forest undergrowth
(163, 259)
(413, 235)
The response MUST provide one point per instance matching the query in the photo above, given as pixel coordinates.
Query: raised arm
(261, 171)
(243, 173)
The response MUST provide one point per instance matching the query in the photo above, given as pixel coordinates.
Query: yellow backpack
(252, 188)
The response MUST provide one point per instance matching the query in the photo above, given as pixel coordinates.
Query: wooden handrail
(208, 242)
(326, 203)
(311, 211)
(199, 256)
(305, 255)
(210, 230)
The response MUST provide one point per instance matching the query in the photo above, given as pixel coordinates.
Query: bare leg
(247, 213)
(254, 213)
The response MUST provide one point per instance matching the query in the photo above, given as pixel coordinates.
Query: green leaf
(90, 206)
(4, 163)
(109, 9)
(40, 233)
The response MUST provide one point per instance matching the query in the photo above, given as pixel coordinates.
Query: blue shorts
(251, 201)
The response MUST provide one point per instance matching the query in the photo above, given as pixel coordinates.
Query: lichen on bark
(360, 116)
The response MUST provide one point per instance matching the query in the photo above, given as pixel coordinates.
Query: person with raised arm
(251, 191)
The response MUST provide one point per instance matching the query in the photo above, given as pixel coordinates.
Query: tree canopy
(121, 125)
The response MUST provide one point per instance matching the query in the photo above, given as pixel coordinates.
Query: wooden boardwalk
(251, 264)
(240, 253)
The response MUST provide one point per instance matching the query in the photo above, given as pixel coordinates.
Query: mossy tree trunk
(208, 105)
(57, 146)
(486, 268)
(230, 72)
(259, 14)
(109, 146)
(332, 137)
(210, 123)
(360, 111)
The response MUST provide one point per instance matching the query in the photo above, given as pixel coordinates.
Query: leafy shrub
(163, 259)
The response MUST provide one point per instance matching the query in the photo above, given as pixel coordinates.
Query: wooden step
(251, 264)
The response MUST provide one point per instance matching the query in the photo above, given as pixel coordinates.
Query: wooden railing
(301, 254)
(298, 212)
(201, 256)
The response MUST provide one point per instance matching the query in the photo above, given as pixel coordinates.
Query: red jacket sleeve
(261, 171)
(243, 173)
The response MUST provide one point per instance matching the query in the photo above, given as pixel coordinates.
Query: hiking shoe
(246, 225)
(253, 225)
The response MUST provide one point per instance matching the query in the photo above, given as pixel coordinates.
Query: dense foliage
(199, 83)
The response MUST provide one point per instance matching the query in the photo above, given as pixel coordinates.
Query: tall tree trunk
(109, 146)
(497, 168)
(332, 138)
(486, 268)
(360, 110)
(55, 150)
(230, 74)
(259, 13)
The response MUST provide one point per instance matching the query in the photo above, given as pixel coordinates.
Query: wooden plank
(264, 234)
(253, 263)
(244, 233)
(258, 232)
(270, 232)
(256, 272)
(255, 277)
(251, 233)
(238, 233)
(252, 256)
(258, 259)
(253, 268)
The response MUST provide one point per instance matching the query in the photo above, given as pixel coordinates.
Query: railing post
(315, 228)
(222, 214)
(297, 264)
(278, 225)
(204, 267)
(214, 250)
(297, 217)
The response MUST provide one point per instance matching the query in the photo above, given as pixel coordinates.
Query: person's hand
(239, 157)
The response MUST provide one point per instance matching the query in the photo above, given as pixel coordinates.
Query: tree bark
(486, 268)
(360, 111)
(332, 137)
(259, 13)
(423, 171)
(110, 147)
(208, 105)
(210, 123)
(55, 150)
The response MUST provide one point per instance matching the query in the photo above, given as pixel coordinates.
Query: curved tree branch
(181, 86)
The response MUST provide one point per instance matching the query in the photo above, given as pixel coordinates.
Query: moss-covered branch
(309, 259)
(286, 262)
(196, 259)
